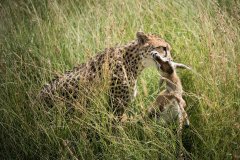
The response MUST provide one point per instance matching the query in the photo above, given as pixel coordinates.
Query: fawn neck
(173, 83)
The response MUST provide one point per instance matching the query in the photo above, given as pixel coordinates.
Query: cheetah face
(149, 59)
(151, 43)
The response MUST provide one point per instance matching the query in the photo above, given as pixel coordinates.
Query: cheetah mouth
(157, 58)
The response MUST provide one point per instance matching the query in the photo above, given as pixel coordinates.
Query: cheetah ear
(142, 37)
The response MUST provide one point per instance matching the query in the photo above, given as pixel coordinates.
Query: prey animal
(170, 105)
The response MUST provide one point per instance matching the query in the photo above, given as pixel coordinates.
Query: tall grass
(39, 39)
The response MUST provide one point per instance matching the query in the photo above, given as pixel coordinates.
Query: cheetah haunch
(124, 64)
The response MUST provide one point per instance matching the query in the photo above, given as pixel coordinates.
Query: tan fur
(172, 93)
(169, 105)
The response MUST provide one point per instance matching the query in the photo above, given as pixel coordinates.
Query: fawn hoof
(187, 124)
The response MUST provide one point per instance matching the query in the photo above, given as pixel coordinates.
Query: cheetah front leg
(119, 99)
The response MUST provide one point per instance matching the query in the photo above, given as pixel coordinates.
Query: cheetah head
(149, 43)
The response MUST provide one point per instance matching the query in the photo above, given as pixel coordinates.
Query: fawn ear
(180, 65)
(142, 37)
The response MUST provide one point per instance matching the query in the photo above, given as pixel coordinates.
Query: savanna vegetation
(39, 39)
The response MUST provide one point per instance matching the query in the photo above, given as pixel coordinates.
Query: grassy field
(39, 39)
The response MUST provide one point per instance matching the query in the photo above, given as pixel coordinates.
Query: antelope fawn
(169, 105)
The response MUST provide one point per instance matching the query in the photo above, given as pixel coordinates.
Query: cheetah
(124, 64)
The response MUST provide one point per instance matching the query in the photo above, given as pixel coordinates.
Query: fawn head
(166, 65)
